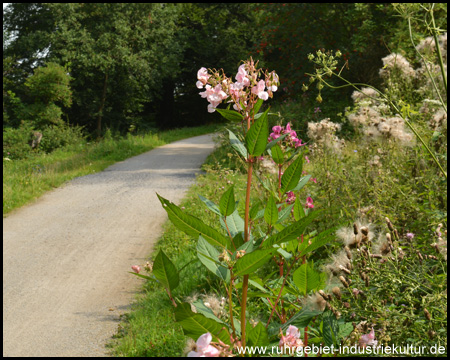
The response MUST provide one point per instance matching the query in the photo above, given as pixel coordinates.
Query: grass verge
(26, 180)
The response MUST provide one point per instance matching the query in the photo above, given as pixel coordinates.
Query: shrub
(54, 137)
(15, 141)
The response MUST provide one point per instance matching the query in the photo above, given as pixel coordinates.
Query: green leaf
(150, 278)
(254, 211)
(303, 181)
(165, 271)
(211, 206)
(299, 212)
(227, 203)
(192, 225)
(206, 311)
(277, 154)
(256, 138)
(257, 106)
(253, 261)
(209, 256)
(291, 176)
(330, 328)
(237, 145)
(230, 114)
(302, 318)
(306, 279)
(292, 231)
(234, 223)
(258, 336)
(285, 213)
(195, 325)
(320, 240)
(271, 212)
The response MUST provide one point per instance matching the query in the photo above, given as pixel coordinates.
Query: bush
(15, 141)
(54, 137)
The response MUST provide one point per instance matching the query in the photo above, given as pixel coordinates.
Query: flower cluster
(323, 134)
(396, 62)
(309, 203)
(203, 347)
(290, 140)
(368, 339)
(291, 339)
(372, 119)
(243, 92)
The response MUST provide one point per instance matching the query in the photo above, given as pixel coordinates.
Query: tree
(117, 53)
(47, 88)
(209, 35)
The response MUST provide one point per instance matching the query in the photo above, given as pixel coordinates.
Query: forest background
(131, 67)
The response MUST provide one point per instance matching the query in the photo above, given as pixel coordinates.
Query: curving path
(66, 257)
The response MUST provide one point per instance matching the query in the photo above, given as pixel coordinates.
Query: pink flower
(314, 180)
(277, 129)
(410, 236)
(259, 90)
(136, 269)
(273, 136)
(204, 349)
(292, 338)
(290, 197)
(309, 202)
(241, 76)
(202, 76)
(297, 142)
(306, 158)
(214, 96)
(368, 339)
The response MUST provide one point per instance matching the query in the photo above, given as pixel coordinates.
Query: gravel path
(66, 257)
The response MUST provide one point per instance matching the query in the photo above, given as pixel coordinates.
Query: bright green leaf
(195, 325)
(227, 202)
(256, 138)
(237, 145)
(292, 174)
(271, 211)
(165, 271)
(192, 225)
(209, 256)
(253, 261)
(230, 115)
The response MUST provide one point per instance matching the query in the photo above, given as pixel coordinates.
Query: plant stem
(230, 303)
(438, 49)
(246, 238)
(426, 67)
(281, 289)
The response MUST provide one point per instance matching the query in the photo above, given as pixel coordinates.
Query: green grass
(26, 180)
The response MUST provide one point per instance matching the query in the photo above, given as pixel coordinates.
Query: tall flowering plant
(248, 241)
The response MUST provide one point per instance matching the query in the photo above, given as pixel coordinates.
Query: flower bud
(337, 292)
(427, 314)
(343, 281)
(355, 229)
(136, 269)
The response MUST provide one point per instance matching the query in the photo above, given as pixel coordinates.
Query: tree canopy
(135, 64)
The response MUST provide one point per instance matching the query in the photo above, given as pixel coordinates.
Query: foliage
(248, 247)
(148, 49)
(59, 136)
(15, 141)
(46, 87)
